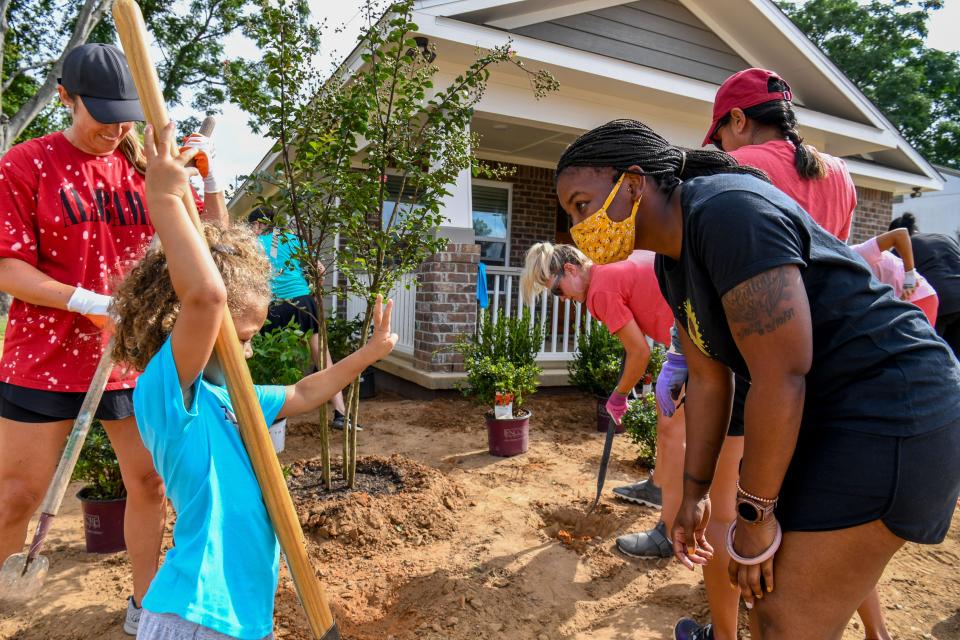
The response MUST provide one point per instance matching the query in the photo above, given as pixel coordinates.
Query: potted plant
(595, 367)
(501, 365)
(280, 356)
(103, 498)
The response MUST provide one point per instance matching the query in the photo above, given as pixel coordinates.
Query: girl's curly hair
(146, 306)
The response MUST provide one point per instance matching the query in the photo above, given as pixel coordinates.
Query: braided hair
(620, 144)
(780, 114)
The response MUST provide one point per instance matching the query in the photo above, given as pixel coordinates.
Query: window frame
(496, 184)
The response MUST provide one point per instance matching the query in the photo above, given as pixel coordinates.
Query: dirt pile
(397, 502)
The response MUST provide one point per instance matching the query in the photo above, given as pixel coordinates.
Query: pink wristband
(760, 559)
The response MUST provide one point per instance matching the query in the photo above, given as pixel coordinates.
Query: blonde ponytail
(544, 262)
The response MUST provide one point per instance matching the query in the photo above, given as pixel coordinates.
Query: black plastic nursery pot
(102, 523)
(603, 418)
(508, 437)
(368, 383)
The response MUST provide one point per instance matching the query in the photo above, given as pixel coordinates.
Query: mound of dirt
(396, 502)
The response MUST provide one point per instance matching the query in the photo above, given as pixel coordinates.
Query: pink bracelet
(760, 559)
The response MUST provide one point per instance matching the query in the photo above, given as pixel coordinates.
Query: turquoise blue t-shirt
(287, 281)
(222, 570)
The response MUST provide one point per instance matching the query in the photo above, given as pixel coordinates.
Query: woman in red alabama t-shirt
(72, 221)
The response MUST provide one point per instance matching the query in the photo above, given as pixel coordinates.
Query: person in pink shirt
(624, 296)
(754, 121)
(889, 269)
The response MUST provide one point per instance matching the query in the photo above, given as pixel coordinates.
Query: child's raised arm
(898, 239)
(315, 389)
(192, 271)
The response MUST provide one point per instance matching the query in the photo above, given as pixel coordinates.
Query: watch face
(748, 511)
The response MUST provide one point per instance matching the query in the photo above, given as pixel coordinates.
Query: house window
(407, 203)
(491, 221)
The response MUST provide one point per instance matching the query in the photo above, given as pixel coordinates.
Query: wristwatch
(753, 512)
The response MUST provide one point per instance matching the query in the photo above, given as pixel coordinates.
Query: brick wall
(446, 306)
(534, 213)
(873, 214)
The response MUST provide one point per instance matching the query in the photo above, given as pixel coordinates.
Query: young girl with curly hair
(220, 577)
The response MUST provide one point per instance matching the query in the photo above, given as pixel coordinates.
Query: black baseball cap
(99, 75)
(260, 215)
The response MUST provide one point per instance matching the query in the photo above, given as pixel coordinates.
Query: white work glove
(205, 160)
(909, 283)
(88, 303)
(95, 307)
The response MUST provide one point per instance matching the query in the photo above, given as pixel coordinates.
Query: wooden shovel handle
(253, 429)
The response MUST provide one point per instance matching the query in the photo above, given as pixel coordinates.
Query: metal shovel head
(17, 585)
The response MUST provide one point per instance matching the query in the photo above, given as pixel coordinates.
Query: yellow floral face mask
(603, 240)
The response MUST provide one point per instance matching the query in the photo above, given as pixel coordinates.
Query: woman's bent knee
(18, 501)
(147, 487)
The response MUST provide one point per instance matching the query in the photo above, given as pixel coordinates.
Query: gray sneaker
(645, 493)
(648, 544)
(132, 622)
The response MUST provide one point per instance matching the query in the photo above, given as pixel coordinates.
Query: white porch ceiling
(512, 141)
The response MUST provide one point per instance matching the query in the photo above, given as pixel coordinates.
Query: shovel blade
(17, 585)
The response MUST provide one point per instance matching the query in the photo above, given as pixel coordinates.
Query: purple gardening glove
(617, 406)
(671, 379)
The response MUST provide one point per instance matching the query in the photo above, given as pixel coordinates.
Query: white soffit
(755, 29)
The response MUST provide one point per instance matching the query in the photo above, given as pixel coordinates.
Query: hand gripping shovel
(22, 574)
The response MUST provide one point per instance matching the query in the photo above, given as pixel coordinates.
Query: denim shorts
(840, 478)
(169, 626)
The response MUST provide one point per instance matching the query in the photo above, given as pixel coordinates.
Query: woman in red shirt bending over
(72, 221)
(624, 296)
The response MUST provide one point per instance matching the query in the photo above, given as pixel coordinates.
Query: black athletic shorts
(839, 479)
(22, 404)
(303, 309)
(741, 386)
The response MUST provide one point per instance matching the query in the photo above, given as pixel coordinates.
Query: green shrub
(595, 367)
(343, 336)
(501, 356)
(658, 355)
(97, 466)
(640, 422)
(280, 356)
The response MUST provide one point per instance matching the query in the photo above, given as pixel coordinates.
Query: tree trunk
(324, 426)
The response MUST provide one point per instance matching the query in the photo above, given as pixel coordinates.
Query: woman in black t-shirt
(852, 442)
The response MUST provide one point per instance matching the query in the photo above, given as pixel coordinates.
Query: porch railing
(561, 321)
(404, 297)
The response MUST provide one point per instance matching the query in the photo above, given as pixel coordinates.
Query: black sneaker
(645, 493)
(689, 629)
(339, 420)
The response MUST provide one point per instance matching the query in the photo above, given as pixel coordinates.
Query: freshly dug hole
(577, 530)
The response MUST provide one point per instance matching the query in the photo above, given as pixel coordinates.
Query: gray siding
(661, 34)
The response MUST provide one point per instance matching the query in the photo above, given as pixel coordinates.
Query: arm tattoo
(755, 306)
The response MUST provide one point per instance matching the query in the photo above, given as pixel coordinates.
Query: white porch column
(458, 209)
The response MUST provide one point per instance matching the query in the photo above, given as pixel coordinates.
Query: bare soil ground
(460, 545)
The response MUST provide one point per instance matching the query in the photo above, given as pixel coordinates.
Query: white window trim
(498, 185)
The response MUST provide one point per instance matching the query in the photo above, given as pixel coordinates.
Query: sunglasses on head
(555, 289)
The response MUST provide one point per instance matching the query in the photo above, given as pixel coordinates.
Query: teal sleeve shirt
(222, 570)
